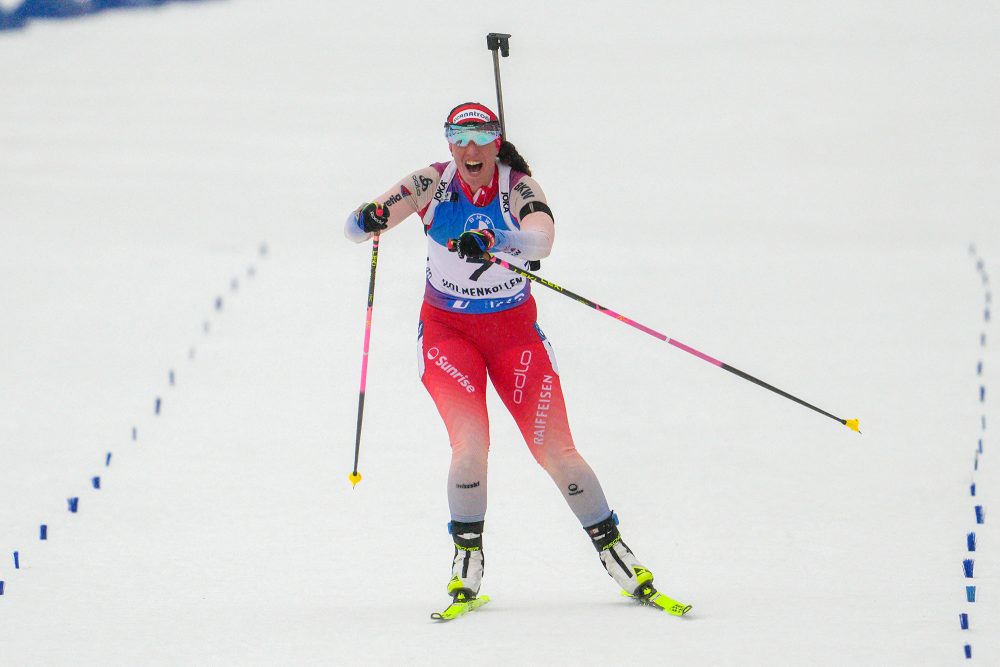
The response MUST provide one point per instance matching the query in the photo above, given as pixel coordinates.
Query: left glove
(473, 244)
(373, 217)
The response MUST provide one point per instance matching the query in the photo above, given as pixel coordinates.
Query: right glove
(373, 217)
(472, 244)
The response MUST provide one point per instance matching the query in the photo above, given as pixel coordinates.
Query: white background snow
(792, 187)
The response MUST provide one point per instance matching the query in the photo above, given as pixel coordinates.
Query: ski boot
(635, 580)
(467, 564)
(617, 558)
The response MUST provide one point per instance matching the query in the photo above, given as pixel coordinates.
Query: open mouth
(474, 167)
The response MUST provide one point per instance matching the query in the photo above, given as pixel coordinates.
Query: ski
(653, 598)
(456, 609)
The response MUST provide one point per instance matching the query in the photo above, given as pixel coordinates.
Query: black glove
(373, 217)
(472, 244)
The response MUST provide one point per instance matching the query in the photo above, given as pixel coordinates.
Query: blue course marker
(135, 434)
(43, 532)
(970, 593)
(107, 460)
(979, 368)
(218, 303)
(980, 514)
(171, 376)
(967, 566)
(156, 408)
(74, 504)
(96, 481)
(17, 561)
(971, 541)
(1, 586)
(968, 651)
(972, 488)
(982, 393)
(963, 621)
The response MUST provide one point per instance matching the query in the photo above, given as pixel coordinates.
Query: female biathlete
(478, 319)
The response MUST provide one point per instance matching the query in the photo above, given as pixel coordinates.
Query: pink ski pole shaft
(355, 476)
(849, 423)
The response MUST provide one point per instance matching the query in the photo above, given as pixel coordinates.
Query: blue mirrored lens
(481, 135)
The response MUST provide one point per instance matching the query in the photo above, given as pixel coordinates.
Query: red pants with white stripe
(457, 353)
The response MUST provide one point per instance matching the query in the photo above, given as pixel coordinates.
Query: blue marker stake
(970, 593)
(156, 409)
(979, 368)
(1, 587)
(968, 651)
(107, 460)
(967, 566)
(972, 488)
(980, 514)
(135, 434)
(218, 303)
(971, 541)
(980, 445)
(982, 393)
(963, 620)
(975, 463)
(43, 532)
(96, 481)
(74, 504)
(17, 561)
(171, 378)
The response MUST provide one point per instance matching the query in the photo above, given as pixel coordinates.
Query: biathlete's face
(474, 149)
(475, 163)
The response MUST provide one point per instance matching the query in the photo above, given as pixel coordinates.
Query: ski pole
(355, 476)
(849, 423)
(497, 41)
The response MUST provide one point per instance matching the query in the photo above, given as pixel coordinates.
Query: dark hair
(510, 157)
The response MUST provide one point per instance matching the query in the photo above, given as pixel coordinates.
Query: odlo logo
(449, 369)
(521, 376)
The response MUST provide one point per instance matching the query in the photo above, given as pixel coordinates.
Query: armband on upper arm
(535, 207)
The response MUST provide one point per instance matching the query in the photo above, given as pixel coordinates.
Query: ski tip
(355, 477)
(853, 425)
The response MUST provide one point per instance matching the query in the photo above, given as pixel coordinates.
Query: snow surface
(792, 187)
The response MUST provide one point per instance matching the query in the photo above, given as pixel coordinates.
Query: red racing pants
(457, 353)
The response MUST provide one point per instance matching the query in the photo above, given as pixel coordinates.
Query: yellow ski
(652, 597)
(459, 607)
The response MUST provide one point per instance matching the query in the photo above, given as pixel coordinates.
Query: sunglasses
(480, 134)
